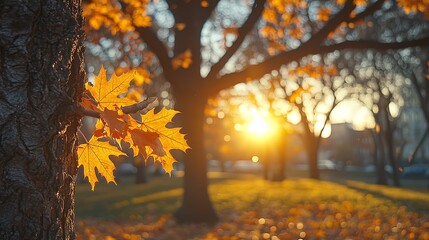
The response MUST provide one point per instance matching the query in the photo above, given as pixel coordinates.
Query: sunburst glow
(258, 126)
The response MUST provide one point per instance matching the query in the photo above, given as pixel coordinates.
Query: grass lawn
(250, 208)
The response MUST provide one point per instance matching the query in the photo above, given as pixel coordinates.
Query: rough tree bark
(41, 77)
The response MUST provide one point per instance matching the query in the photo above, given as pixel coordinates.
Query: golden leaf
(95, 155)
(116, 126)
(170, 138)
(106, 93)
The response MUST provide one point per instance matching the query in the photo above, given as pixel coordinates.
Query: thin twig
(127, 109)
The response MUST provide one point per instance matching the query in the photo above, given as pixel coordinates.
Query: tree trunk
(41, 78)
(381, 178)
(196, 205)
(266, 162)
(393, 161)
(141, 174)
(157, 169)
(280, 169)
(222, 167)
(314, 170)
(313, 162)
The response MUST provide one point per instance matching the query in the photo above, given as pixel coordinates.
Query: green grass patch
(252, 208)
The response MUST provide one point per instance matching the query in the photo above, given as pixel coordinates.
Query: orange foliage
(183, 60)
(149, 137)
(414, 5)
(107, 13)
(324, 14)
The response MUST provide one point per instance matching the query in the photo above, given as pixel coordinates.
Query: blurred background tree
(201, 47)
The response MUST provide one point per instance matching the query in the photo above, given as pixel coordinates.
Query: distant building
(347, 146)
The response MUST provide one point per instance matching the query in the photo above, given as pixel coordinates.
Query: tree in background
(384, 95)
(197, 67)
(414, 66)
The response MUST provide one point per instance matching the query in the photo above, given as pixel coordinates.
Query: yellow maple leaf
(95, 155)
(142, 139)
(170, 138)
(115, 123)
(106, 93)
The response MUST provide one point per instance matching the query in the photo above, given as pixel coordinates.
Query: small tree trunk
(280, 169)
(393, 162)
(196, 205)
(141, 175)
(41, 78)
(222, 165)
(381, 172)
(266, 162)
(313, 163)
(379, 160)
(157, 169)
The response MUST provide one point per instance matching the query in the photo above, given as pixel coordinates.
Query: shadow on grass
(414, 200)
(133, 201)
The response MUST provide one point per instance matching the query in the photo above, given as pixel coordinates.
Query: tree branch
(258, 7)
(369, 11)
(419, 89)
(148, 35)
(330, 26)
(328, 118)
(370, 44)
(127, 109)
(257, 71)
(422, 140)
(138, 106)
(208, 10)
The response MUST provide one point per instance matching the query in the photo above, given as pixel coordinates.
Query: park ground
(251, 208)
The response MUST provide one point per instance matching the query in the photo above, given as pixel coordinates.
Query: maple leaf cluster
(147, 134)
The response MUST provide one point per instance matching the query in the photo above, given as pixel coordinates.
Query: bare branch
(370, 44)
(330, 26)
(148, 35)
(88, 113)
(138, 106)
(258, 7)
(257, 71)
(369, 11)
(328, 117)
(158, 48)
(127, 109)
(419, 145)
(209, 9)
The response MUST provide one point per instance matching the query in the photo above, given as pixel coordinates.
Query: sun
(258, 126)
